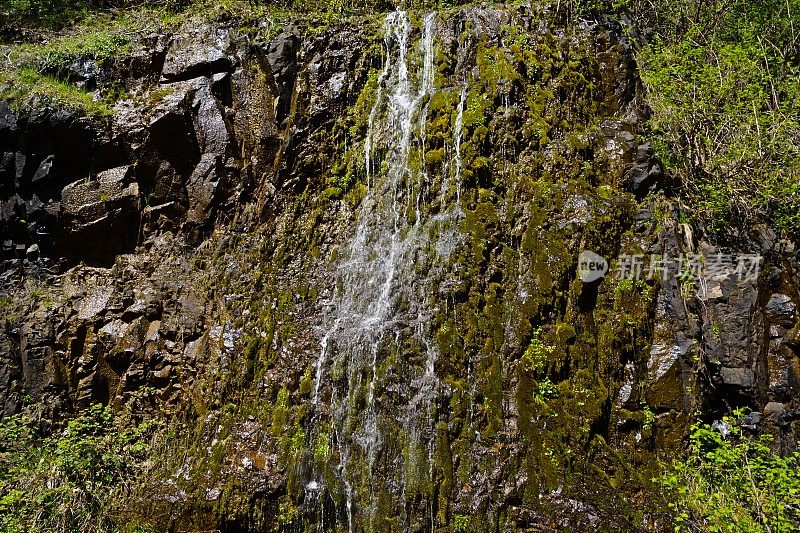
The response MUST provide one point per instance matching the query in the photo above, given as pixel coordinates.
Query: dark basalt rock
(281, 56)
(202, 188)
(84, 73)
(781, 310)
(646, 176)
(743, 378)
(202, 54)
(8, 124)
(209, 121)
(101, 217)
(171, 131)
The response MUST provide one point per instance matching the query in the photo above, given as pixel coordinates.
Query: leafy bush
(546, 390)
(722, 81)
(74, 480)
(537, 353)
(460, 523)
(733, 482)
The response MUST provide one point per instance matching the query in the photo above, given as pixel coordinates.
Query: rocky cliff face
(346, 260)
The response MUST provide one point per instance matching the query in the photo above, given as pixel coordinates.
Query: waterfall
(457, 142)
(381, 300)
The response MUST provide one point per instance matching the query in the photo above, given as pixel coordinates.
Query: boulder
(100, 217)
(665, 388)
(84, 73)
(20, 164)
(167, 187)
(281, 54)
(9, 208)
(734, 314)
(773, 409)
(8, 124)
(197, 55)
(742, 378)
(209, 121)
(201, 188)
(32, 253)
(646, 175)
(43, 172)
(781, 310)
(171, 131)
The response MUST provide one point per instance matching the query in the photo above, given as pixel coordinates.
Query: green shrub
(460, 523)
(546, 390)
(722, 81)
(73, 480)
(733, 482)
(537, 353)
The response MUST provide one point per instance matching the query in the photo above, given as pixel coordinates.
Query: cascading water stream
(379, 294)
(457, 144)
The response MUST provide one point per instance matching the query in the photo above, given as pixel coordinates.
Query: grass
(26, 85)
(100, 45)
(37, 71)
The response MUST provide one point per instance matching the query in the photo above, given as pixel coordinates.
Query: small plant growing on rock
(546, 390)
(460, 523)
(537, 353)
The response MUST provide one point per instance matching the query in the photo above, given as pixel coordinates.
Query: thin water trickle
(457, 143)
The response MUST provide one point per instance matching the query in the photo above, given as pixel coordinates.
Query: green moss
(434, 157)
(460, 523)
(280, 413)
(306, 383)
(497, 70)
(287, 512)
(475, 110)
(157, 95)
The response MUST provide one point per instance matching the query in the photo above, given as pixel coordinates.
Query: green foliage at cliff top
(20, 16)
(722, 82)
